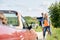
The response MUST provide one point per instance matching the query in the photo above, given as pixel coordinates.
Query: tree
(30, 20)
(54, 11)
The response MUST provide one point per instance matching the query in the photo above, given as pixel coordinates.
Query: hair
(41, 13)
(45, 16)
(3, 18)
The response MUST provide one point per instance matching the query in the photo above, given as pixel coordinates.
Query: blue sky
(27, 7)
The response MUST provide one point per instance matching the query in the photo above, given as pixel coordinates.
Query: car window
(12, 19)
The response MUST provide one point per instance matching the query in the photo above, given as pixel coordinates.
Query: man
(46, 25)
(42, 19)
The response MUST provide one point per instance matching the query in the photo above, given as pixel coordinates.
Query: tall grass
(55, 34)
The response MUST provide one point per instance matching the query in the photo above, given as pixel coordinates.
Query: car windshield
(24, 23)
(12, 19)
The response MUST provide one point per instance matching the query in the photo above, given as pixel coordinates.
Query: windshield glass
(12, 19)
(24, 23)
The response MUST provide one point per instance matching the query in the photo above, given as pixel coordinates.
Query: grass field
(55, 34)
(38, 29)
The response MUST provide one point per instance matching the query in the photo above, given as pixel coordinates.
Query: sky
(32, 8)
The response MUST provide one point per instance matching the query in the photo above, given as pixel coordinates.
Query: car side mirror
(29, 27)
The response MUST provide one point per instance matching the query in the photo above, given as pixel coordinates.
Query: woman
(3, 19)
(46, 25)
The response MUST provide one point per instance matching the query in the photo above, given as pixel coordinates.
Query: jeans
(47, 28)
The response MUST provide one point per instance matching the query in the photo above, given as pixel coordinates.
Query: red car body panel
(8, 33)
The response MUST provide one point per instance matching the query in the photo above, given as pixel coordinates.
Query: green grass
(38, 29)
(55, 34)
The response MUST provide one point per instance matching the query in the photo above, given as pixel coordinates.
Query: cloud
(29, 7)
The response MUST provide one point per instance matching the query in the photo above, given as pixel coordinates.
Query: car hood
(7, 32)
(5, 29)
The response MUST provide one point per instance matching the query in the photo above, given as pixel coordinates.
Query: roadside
(40, 35)
(39, 32)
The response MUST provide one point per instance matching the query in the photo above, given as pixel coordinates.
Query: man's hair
(41, 13)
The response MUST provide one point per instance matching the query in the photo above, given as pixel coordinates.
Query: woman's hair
(45, 16)
(3, 18)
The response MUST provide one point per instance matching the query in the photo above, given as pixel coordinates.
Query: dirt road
(40, 35)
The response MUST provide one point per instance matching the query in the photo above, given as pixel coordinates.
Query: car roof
(8, 11)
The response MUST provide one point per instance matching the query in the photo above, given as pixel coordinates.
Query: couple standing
(45, 24)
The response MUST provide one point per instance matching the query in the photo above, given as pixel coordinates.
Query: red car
(14, 27)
